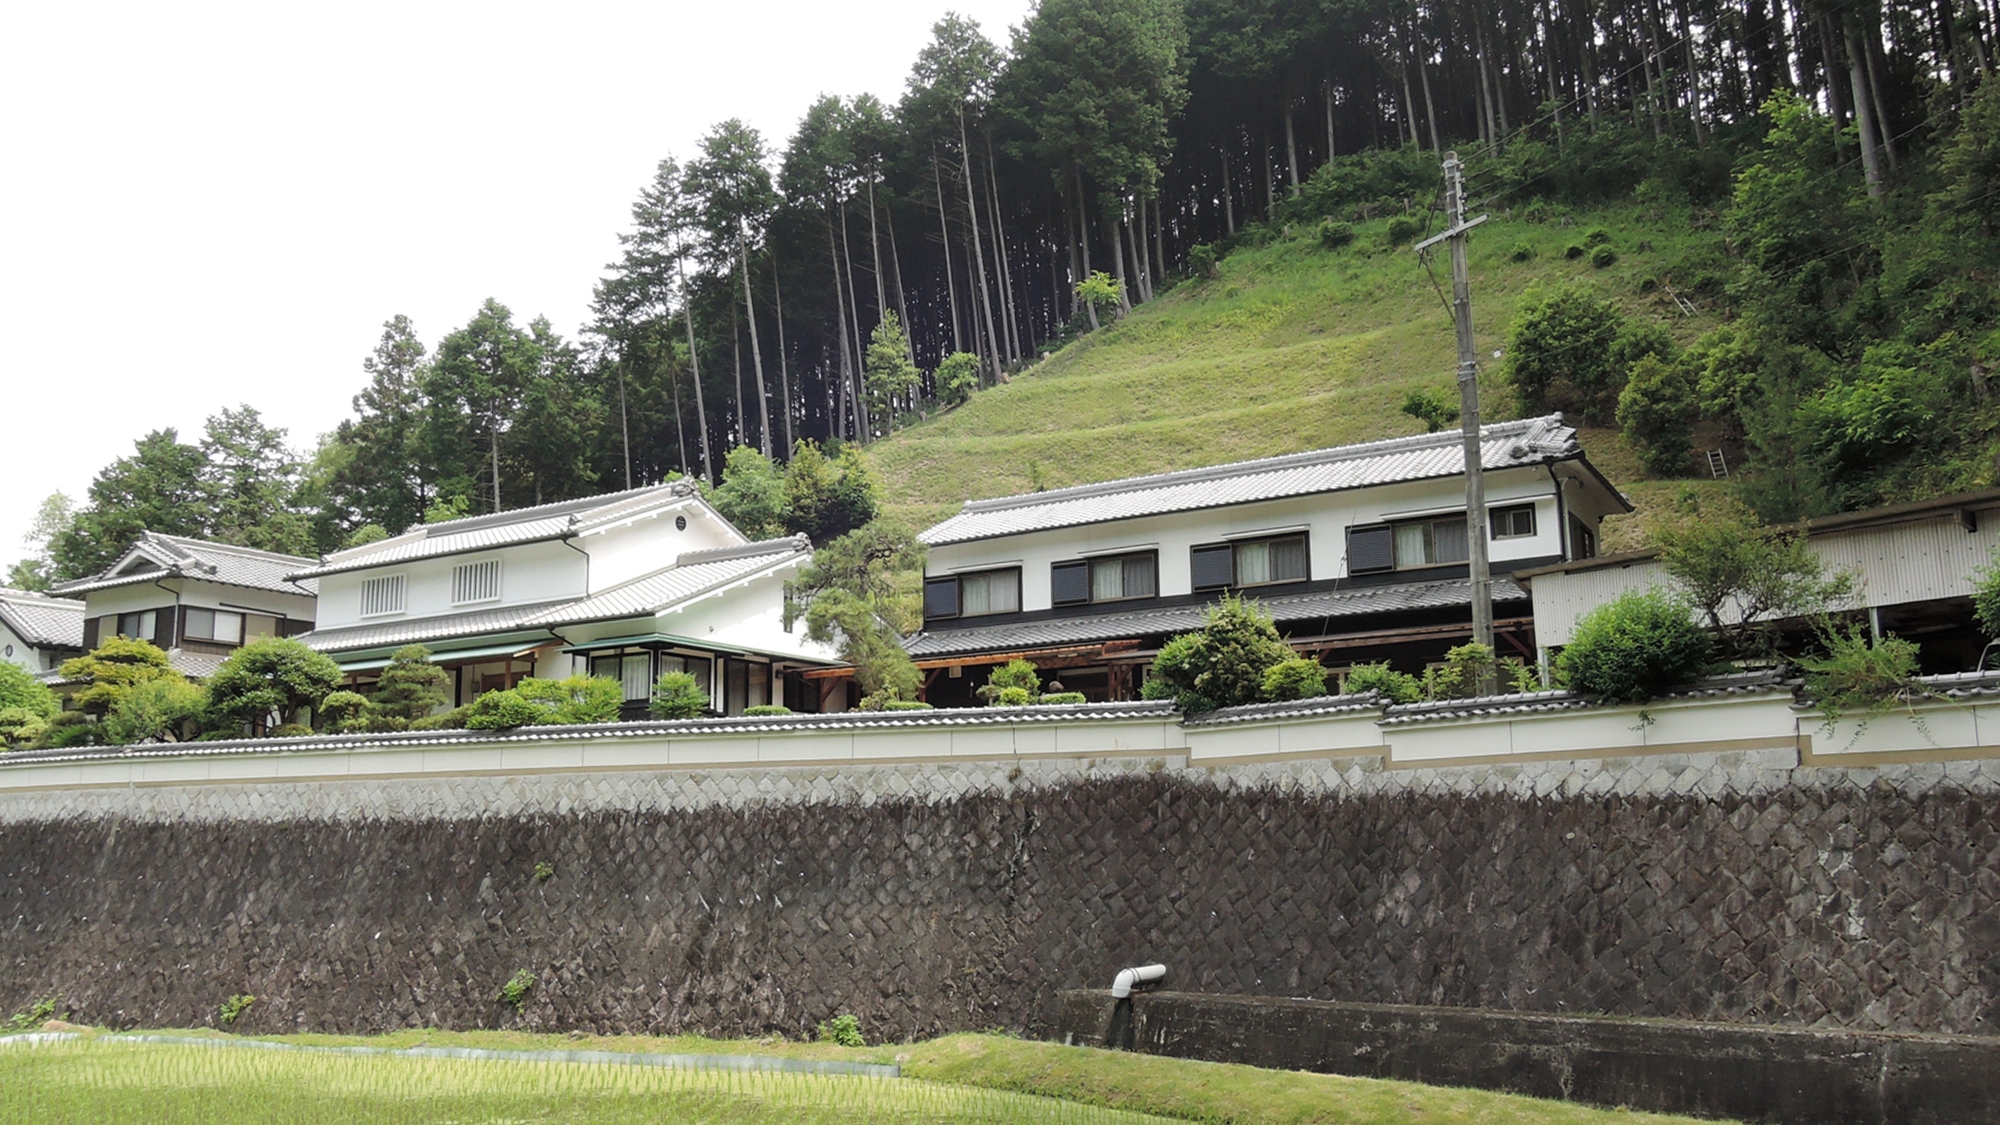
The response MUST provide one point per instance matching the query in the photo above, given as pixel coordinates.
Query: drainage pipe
(1127, 979)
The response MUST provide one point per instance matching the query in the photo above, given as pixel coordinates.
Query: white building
(1914, 567)
(629, 585)
(1359, 553)
(198, 600)
(38, 632)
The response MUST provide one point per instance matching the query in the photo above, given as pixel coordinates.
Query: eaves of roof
(43, 622)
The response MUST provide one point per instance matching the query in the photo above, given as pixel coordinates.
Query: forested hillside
(1831, 326)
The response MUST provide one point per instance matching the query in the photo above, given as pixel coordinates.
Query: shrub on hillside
(1203, 261)
(1333, 234)
(957, 376)
(1521, 252)
(1295, 678)
(1657, 412)
(678, 695)
(1432, 409)
(1403, 228)
(1574, 251)
(1603, 257)
(1634, 648)
(1394, 686)
(1570, 350)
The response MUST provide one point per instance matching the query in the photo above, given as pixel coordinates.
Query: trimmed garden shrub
(502, 710)
(905, 705)
(767, 709)
(1296, 678)
(1014, 697)
(1634, 648)
(1016, 673)
(677, 695)
(1065, 697)
(1394, 686)
(575, 699)
(1223, 663)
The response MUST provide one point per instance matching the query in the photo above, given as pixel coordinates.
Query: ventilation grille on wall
(475, 582)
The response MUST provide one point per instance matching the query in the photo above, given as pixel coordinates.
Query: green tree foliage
(504, 710)
(1742, 579)
(411, 687)
(1467, 671)
(20, 690)
(1017, 676)
(752, 494)
(248, 482)
(21, 727)
(157, 488)
(387, 480)
(1222, 664)
(1852, 671)
(269, 681)
(1394, 686)
(574, 699)
(37, 570)
(1298, 677)
(892, 376)
(957, 376)
(1657, 412)
(1571, 350)
(1432, 409)
(167, 709)
(1099, 289)
(346, 712)
(112, 669)
(853, 596)
(475, 388)
(1634, 648)
(678, 695)
(825, 498)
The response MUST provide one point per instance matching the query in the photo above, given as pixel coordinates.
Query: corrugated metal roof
(693, 574)
(41, 621)
(522, 525)
(175, 556)
(1352, 602)
(941, 718)
(1528, 441)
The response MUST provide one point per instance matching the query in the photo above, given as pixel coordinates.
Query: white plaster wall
(1325, 517)
(16, 651)
(626, 551)
(529, 573)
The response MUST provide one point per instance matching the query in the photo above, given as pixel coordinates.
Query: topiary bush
(905, 705)
(1223, 663)
(1602, 257)
(1070, 697)
(1016, 673)
(20, 727)
(345, 711)
(1403, 228)
(1013, 697)
(574, 699)
(1333, 235)
(1394, 686)
(453, 719)
(677, 695)
(290, 730)
(1296, 678)
(1634, 648)
(767, 709)
(503, 710)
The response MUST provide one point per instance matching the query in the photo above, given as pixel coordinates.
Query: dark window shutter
(163, 626)
(90, 633)
(1371, 549)
(1069, 582)
(1213, 567)
(941, 597)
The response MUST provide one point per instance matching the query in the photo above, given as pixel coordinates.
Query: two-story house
(38, 632)
(1359, 553)
(198, 600)
(628, 585)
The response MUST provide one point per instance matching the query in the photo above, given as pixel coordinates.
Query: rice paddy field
(113, 1079)
(519, 1078)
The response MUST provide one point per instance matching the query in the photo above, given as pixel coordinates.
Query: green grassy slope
(1293, 347)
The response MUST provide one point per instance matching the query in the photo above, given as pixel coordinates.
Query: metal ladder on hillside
(1717, 466)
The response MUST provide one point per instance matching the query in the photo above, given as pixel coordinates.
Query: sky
(208, 204)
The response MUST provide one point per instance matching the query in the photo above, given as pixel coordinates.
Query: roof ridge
(9, 592)
(541, 511)
(797, 542)
(1254, 466)
(228, 548)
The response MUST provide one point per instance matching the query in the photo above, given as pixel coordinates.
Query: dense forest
(887, 259)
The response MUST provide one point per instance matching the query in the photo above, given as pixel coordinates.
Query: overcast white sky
(204, 204)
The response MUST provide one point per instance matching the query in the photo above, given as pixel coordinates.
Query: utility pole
(1468, 402)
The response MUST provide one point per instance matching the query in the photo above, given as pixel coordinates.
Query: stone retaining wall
(1736, 887)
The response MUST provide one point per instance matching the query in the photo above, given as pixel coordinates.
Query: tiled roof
(521, 525)
(693, 574)
(941, 718)
(1503, 445)
(1524, 703)
(1354, 602)
(1290, 709)
(174, 556)
(42, 621)
(504, 619)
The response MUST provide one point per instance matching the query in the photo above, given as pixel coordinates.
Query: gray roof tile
(1354, 602)
(522, 525)
(42, 621)
(1528, 441)
(175, 556)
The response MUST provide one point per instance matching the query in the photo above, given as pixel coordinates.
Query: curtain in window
(1107, 580)
(1140, 579)
(1448, 542)
(1288, 560)
(988, 593)
(635, 672)
(1253, 563)
(1412, 544)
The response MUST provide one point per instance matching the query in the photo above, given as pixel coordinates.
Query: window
(475, 582)
(213, 625)
(1582, 540)
(1430, 542)
(633, 671)
(1108, 579)
(1251, 562)
(137, 626)
(973, 595)
(381, 595)
(1516, 522)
